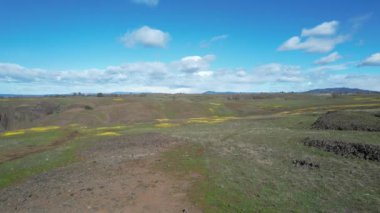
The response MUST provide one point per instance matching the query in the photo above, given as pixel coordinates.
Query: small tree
(100, 95)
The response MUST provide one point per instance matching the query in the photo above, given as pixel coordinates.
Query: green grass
(17, 170)
(246, 166)
(12, 172)
(242, 165)
(28, 140)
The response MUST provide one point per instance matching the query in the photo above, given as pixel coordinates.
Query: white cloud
(369, 82)
(159, 89)
(275, 72)
(322, 78)
(16, 73)
(329, 59)
(186, 72)
(192, 64)
(218, 38)
(147, 37)
(359, 21)
(312, 44)
(373, 60)
(320, 39)
(208, 43)
(337, 67)
(324, 29)
(241, 73)
(204, 74)
(190, 74)
(138, 67)
(147, 2)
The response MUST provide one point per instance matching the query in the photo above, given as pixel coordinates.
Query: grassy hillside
(248, 166)
(241, 152)
(94, 111)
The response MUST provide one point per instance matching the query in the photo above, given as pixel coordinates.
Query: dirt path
(114, 176)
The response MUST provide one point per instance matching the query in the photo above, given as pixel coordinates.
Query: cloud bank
(190, 74)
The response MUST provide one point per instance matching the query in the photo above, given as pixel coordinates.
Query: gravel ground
(115, 175)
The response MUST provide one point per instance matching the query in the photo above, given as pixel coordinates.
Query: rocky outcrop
(357, 150)
(348, 120)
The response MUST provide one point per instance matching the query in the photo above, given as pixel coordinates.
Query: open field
(191, 153)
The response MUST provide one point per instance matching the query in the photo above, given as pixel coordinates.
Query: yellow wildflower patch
(163, 120)
(118, 99)
(108, 134)
(211, 120)
(111, 128)
(12, 133)
(198, 120)
(43, 129)
(165, 125)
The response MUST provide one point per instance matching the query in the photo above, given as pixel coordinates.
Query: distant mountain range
(128, 93)
(341, 90)
(17, 95)
(215, 93)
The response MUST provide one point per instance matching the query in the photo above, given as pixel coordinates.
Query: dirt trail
(114, 176)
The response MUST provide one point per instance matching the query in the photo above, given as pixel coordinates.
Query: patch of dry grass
(166, 125)
(209, 120)
(108, 134)
(13, 133)
(111, 128)
(34, 129)
(43, 129)
(118, 99)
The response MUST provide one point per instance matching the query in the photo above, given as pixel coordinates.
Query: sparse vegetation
(358, 150)
(235, 155)
(348, 120)
(87, 107)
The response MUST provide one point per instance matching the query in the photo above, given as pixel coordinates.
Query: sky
(180, 46)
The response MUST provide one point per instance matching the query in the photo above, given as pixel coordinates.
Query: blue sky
(52, 46)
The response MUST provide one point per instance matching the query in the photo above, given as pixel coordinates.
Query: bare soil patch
(357, 150)
(115, 175)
